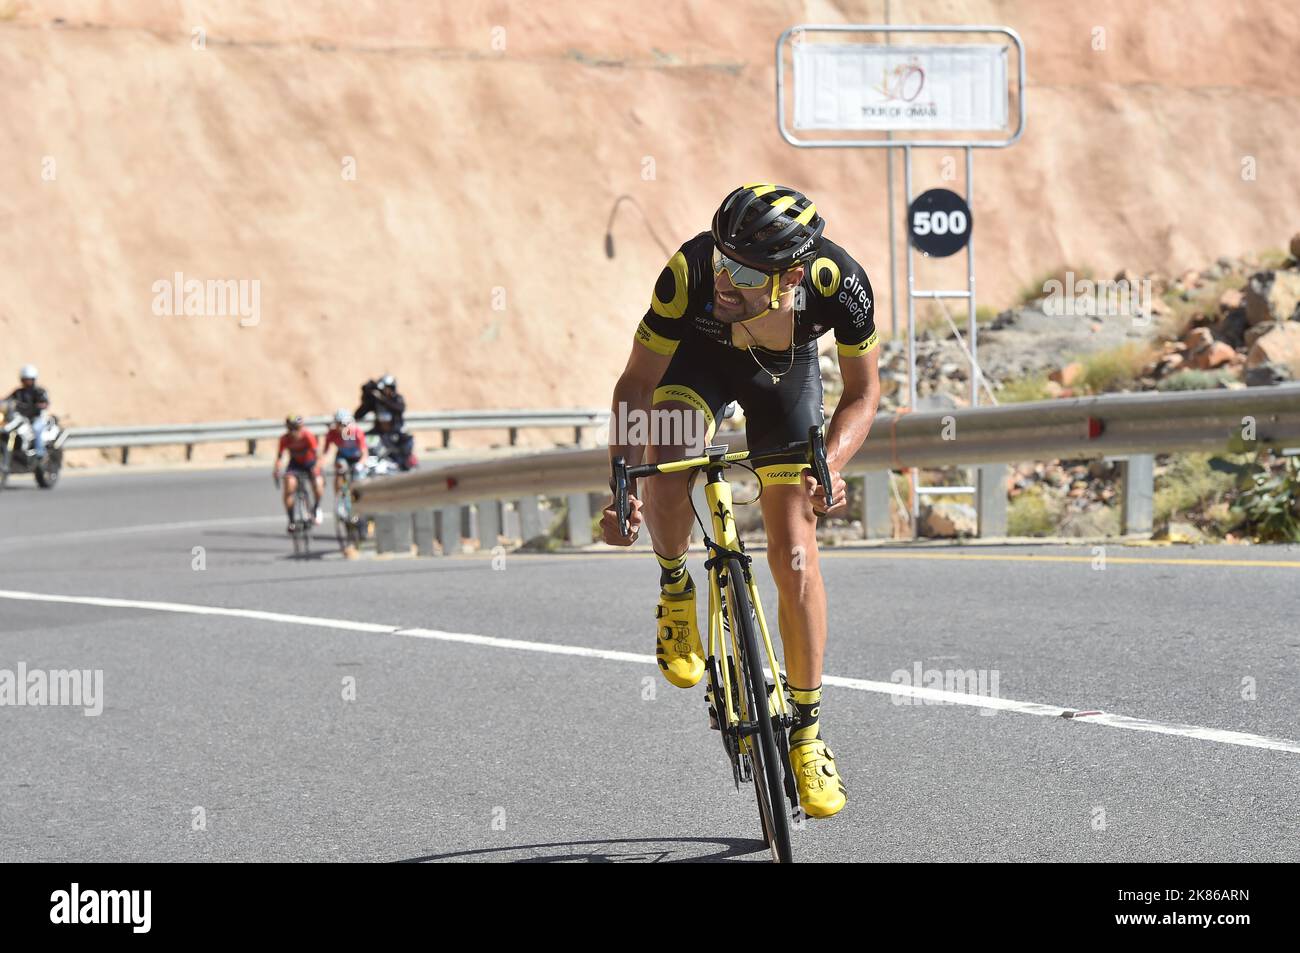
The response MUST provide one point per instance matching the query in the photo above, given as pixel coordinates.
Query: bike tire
(301, 527)
(769, 768)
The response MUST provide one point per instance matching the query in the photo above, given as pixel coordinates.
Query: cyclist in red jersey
(350, 441)
(301, 446)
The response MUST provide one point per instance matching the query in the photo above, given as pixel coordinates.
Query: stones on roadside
(948, 520)
(1279, 346)
(1273, 296)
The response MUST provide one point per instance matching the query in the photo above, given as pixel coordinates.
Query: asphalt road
(456, 749)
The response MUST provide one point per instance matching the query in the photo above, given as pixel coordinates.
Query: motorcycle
(386, 455)
(17, 442)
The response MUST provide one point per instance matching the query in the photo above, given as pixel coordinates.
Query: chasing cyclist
(735, 315)
(300, 444)
(351, 443)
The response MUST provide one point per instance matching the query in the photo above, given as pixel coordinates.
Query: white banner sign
(896, 88)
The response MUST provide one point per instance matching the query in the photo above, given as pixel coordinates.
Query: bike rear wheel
(769, 766)
(347, 528)
(302, 520)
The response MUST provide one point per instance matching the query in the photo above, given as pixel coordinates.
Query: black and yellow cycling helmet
(768, 226)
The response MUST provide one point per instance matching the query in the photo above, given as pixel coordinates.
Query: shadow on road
(647, 850)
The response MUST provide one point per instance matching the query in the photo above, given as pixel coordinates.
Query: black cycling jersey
(835, 295)
(781, 391)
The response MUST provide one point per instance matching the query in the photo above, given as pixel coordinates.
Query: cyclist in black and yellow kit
(736, 315)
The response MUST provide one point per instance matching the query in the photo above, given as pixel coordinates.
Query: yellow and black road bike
(751, 713)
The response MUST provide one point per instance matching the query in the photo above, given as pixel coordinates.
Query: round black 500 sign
(939, 223)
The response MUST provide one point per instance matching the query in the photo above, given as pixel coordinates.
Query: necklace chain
(776, 378)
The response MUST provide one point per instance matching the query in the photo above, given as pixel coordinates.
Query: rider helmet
(772, 227)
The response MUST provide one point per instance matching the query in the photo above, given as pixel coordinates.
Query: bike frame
(722, 613)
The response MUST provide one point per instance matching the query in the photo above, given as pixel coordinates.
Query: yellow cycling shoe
(821, 792)
(677, 639)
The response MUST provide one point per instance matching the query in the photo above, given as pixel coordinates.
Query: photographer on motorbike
(31, 402)
(392, 442)
(383, 400)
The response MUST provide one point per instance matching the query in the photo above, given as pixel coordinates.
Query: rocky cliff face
(423, 188)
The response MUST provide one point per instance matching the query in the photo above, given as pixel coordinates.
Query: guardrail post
(126, 451)
(1138, 478)
(579, 520)
(577, 436)
(991, 500)
(402, 526)
(449, 530)
(423, 525)
(876, 520)
(446, 438)
(514, 436)
(510, 521)
(530, 517)
(252, 448)
(386, 533)
(489, 524)
(189, 452)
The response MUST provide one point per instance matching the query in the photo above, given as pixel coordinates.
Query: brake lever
(821, 469)
(620, 487)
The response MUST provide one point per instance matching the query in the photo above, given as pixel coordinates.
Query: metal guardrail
(83, 438)
(1079, 428)
(1129, 427)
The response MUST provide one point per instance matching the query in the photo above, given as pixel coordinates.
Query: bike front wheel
(769, 765)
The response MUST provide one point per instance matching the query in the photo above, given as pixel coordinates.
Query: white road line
(1107, 719)
(1243, 738)
(81, 534)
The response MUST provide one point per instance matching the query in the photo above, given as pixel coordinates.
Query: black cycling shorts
(708, 375)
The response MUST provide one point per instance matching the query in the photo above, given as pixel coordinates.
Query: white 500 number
(939, 223)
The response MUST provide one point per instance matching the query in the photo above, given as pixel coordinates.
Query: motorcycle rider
(392, 441)
(31, 402)
(382, 397)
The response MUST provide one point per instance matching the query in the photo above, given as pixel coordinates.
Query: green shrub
(1020, 390)
(1188, 484)
(1194, 380)
(1031, 514)
(1112, 370)
(1268, 503)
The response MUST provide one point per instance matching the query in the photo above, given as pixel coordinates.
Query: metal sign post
(904, 84)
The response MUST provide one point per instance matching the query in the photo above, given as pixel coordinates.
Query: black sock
(807, 713)
(673, 577)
